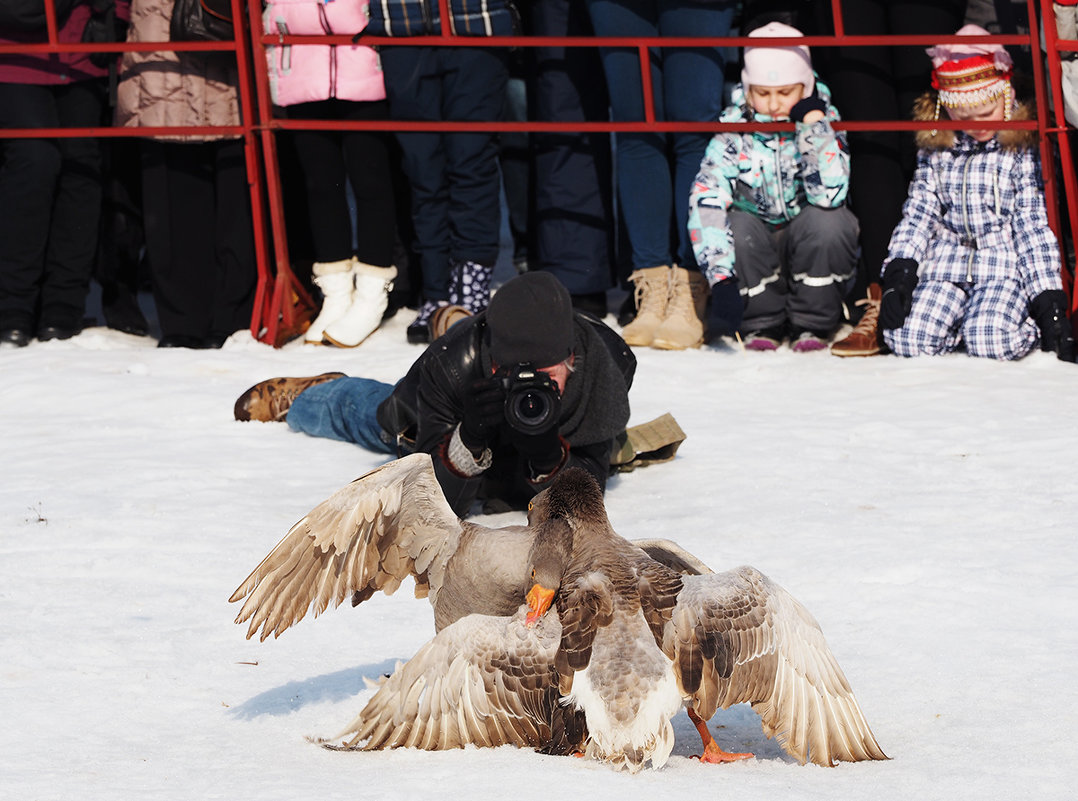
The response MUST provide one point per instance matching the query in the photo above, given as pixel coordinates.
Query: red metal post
(248, 114)
(645, 84)
(836, 19)
(1066, 158)
(281, 312)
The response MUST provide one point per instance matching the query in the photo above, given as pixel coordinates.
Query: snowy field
(924, 511)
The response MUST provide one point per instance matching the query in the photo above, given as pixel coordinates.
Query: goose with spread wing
(627, 641)
(389, 524)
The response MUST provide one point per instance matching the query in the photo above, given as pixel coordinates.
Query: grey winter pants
(797, 274)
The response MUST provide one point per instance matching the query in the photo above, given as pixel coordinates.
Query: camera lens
(531, 408)
(532, 402)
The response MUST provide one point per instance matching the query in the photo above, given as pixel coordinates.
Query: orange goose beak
(539, 599)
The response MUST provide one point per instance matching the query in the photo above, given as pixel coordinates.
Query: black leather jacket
(427, 405)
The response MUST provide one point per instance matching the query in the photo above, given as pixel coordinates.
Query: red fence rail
(282, 302)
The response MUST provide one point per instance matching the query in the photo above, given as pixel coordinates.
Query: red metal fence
(282, 302)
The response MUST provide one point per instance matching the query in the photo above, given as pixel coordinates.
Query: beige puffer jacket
(170, 88)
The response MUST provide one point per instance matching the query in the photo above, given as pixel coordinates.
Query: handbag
(201, 21)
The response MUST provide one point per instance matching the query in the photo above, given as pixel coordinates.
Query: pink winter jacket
(303, 73)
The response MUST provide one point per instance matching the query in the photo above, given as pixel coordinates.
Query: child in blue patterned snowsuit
(767, 215)
(973, 262)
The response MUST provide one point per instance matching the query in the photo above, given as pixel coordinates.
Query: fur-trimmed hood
(924, 110)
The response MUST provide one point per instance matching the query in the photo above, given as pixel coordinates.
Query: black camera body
(532, 400)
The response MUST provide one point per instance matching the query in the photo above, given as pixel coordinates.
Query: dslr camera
(532, 401)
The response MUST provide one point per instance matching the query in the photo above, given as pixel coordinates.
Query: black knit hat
(531, 320)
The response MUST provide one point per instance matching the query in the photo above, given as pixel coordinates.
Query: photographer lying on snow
(502, 401)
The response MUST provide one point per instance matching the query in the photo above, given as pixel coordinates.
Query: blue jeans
(687, 84)
(344, 409)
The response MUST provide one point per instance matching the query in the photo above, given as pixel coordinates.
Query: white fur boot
(369, 302)
(336, 281)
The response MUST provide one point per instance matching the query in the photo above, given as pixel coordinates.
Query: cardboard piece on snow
(647, 443)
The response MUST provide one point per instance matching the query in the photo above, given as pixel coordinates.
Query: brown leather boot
(444, 317)
(864, 339)
(268, 401)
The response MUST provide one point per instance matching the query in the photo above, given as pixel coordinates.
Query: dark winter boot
(469, 285)
(1049, 310)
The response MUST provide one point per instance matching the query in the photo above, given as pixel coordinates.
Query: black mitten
(484, 410)
(543, 451)
(724, 313)
(1049, 309)
(805, 105)
(898, 282)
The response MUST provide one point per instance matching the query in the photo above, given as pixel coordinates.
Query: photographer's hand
(544, 452)
(484, 403)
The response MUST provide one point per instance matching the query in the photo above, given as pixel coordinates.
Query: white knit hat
(778, 66)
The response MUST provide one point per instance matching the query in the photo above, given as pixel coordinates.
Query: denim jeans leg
(692, 92)
(644, 183)
(414, 90)
(345, 409)
(474, 88)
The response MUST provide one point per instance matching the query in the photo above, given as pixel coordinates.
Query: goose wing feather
(483, 680)
(738, 637)
(370, 535)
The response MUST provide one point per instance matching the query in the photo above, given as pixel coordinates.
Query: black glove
(724, 313)
(1049, 309)
(805, 105)
(543, 451)
(484, 410)
(898, 283)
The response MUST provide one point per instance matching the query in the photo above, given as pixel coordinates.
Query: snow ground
(924, 511)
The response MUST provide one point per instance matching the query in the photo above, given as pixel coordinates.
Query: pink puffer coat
(303, 73)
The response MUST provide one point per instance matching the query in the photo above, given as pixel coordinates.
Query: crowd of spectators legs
(708, 245)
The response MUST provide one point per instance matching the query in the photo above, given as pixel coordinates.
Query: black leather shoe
(18, 337)
(418, 333)
(47, 332)
(214, 341)
(181, 341)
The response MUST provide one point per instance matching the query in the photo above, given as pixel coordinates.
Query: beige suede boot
(652, 293)
(337, 283)
(683, 326)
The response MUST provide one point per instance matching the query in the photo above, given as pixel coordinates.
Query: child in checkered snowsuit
(973, 262)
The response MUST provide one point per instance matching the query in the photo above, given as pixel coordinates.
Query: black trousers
(326, 159)
(50, 204)
(197, 216)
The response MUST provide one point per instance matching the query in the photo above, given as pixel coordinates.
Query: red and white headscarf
(969, 75)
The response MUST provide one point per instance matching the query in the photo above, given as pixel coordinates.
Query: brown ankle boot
(268, 401)
(864, 339)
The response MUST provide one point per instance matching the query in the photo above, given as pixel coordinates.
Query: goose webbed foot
(712, 753)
